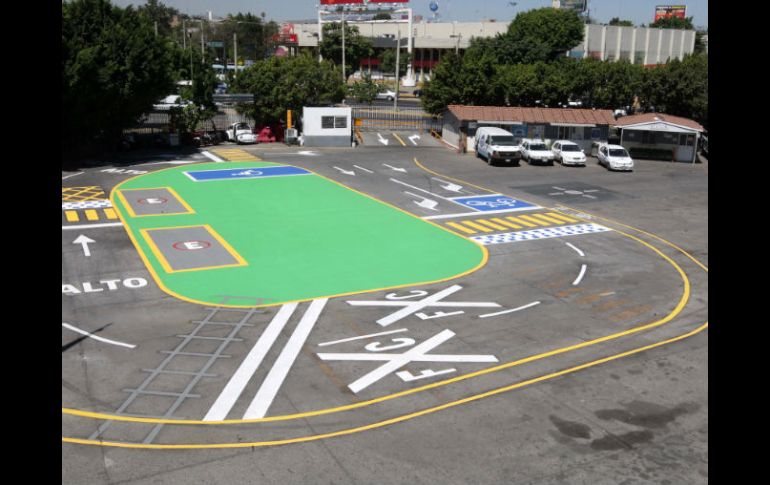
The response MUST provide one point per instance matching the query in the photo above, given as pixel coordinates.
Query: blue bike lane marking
(494, 202)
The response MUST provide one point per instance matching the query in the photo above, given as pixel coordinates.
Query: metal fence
(369, 118)
(157, 122)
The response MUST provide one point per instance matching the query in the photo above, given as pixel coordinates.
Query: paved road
(576, 354)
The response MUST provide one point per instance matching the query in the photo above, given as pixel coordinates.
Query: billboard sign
(666, 11)
(359, 2)
(578, 6)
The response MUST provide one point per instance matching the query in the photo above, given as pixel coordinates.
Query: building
(430, 40)
(660, 136)
(582, 126)
(327, 127)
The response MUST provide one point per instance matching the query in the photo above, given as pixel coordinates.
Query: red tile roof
(533, 115)
(653, 117)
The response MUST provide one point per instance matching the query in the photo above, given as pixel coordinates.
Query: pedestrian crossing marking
(520, 221)
(477, 226)
(91, 215)
(110, 213)
(236, 155)
(534, 234)
(549, 219)
(79, 194)
(491, 224)
(72, 216)
(534, 220)
(461, 228)
(505, 223)
(562, 217)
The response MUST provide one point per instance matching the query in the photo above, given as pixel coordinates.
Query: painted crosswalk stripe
(110, 213)
(548, 219)
(91, 215)
(72, 216)
(534, 220)
(267, 392)
(491, 224)
(248, 367)
(521, 221)
(533, 234)
(505, 223)
(562, 217)
(461, 227)
(477, 226)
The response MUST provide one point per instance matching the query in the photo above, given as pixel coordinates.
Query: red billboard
(665, 11)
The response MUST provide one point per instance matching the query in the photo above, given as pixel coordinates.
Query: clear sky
(638, 11)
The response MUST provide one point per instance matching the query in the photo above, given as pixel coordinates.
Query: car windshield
(502, 140)
(570, 148)
(618, 152)
(538, 147)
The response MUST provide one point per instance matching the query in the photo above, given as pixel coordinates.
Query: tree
(114, 68)
(621, 23)
(282, 83)
(555, 29)
(203, 77)
(388, 62)
(679, 88)
(159, 14)
(357, 46)
(444, 88)
(365, 91)
(673, 23)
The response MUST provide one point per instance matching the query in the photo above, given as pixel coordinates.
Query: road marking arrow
(382, 140)
(84, 241)
(362, 168)
(411, 138)
(397, 169)
(346, 172)
(425, 202)
(449, 185)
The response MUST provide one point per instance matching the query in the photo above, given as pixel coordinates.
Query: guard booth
(658, 136)
(327, 127)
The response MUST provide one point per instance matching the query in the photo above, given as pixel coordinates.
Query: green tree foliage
(282, 83)
(679, 88)
(113, 69)
(673, 23)
(520, 84)
(388, 62)
(357, 46)
(365, 91)
(620, 23)
(556, 30)
(444, 87)
(156, 12)
(188, 65)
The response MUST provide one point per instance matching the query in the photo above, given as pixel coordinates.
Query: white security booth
(327, 127)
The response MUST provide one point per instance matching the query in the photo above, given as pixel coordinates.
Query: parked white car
(495, 144)
(614, 157)
(170, 101)
(535, 151)
(241, 133)
(568, 153)
(389, 94)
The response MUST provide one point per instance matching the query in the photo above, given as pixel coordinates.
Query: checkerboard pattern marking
(561, 231)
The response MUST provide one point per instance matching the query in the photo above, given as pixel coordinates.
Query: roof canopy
(557, 116)
(659, 122)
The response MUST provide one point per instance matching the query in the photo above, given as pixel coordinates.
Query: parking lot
(392, 313)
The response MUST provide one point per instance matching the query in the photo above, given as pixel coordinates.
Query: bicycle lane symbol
(494, 202)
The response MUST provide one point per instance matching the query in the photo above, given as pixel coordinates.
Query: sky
(638, 11)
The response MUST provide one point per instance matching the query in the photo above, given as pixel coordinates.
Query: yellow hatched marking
(548, 219)
(562, 217)
(504, 223)
(536, 221)
(79, 194)
(520, 221)
(477, 226)
(110, 213)
(460, 227)
(71, 216)
(91, 215)
(491, 224)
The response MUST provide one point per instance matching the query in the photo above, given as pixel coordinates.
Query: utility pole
(344, 79)
(398, 58)
(203, 52)
(184, 35)
(235, 47)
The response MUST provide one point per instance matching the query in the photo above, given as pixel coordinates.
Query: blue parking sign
(495, 202)
(245, 173)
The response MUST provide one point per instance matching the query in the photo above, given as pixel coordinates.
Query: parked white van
(495, 144)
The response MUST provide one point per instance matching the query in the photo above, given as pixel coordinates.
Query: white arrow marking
(83, 240)
(101, 339)
(382, 140)
(346, 172)
(362, 168)
(397, 169)
(449, 185)
(412, 138)
(426, 203)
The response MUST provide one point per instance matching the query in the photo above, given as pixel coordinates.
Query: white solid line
(73, 175)
(576, 249)
(264, 398)
(580, 276)
(362, 168)
(101, 339)
(250, 364)
(510, 311)
(91, 226)
(212, 156)
(477, 213)
(363, 337)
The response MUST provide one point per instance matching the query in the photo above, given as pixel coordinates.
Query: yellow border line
(164, 262)
(179, 199)
(159, 282)
(398, 138)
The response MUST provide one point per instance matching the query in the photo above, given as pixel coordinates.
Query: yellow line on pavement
(477, 226)
(491, 224)
(520, 221)
(562, 217)
(91, 215)
(72, 216)
(548, 219)
(536, 221)
(399, 139)
(504, 223)
(110, 213)
(460, 227)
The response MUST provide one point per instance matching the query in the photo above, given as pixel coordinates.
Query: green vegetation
(357, 46)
